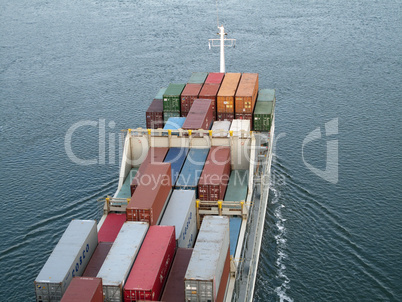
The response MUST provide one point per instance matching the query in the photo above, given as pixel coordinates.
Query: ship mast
(222, 45)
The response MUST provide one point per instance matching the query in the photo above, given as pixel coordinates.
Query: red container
(215, 176)
(84, 289)
(214, 78)
(152, 265)
(210, 91)
(154, 115)
(245, 116)
(224, 279)
(155, 155)
(200, 115)
(174, 289)
(225, 116)
(149, 198)
(111, 227)
(97, 259)
(189, 94)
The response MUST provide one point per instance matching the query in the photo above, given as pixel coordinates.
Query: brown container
(174, 289)
(226, 93)
(200, 115)
(154, 115)
(210, 91)
(189, 94)
(225, 116)
(245, 116)
(84, 289)
(149, 198)
(97, 259)
(246, 94)
(214, 78)
(155, 155)
(224, 279)
(215, 176)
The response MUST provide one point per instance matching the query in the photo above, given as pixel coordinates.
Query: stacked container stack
(263, 110)
(191, 91)
(210, 89)
(171, 101)
(226, 97)
(154, 114)
(246, 96)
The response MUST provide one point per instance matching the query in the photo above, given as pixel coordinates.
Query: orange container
(246, 94)
(226, 94)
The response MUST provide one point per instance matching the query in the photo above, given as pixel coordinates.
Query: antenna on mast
(222, 45)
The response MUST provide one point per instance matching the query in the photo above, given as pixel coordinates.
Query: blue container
(174, 123)
(234, 227)
(237, 186)
(176, 157)
(192, 169)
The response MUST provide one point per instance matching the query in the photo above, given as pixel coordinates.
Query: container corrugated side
(189, 94)
(214, 78)
(210, 91)
(176, 157)
(154, 155)
(198, 78)
(215, 176)
(161, 92)
(111, 227)
(200, 115)
(220, 128)
(246, 93)
(174, 289)
(148, 200)
(240, 127)
(118, 263)
(84, 289)
(266, 95)
(222, 116)
(154, 115)
(68, 259)
(263, 116)
(237, 186)
(245, 117)
(171, 97)
(224, 279)
(192, 169)
(204, 272)
(226, 93)
(168, 115)
(235, 224)
(151, 268)
(181, 213)
(97, 259)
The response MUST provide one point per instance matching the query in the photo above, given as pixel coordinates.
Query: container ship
(186, 221)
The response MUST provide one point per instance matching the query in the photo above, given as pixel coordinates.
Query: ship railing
(113, 204)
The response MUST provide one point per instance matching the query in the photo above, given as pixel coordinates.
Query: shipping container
(148, 200)
(161, 92)
(266, 95)
(151, 268)
(263, 116)
(215, 176)
(214, 78)
(174, 123)
(220, 128)
(84, 289)
(174, 289)
(237, 186)
(198, 77)
(189, 94)
(209, 92)
(171, 98)
(97, 259)
(118, 263)
(240, 127)
(111, 227)
(200, 115)
(180, 212)
(226, 93)
(246, 117)
(204, 272)
(154, 155)
(224, 279)
(225, 116)
(235, 225)
(176, 157)
(192, 169)
(68, 260)
(168, 115)
(246, 94)
(125, 190)
(154, 115)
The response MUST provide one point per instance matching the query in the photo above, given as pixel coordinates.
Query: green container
(198, 78)
(237, 186)
(166, 115)
(171, 97)
(263, 115)
(160, 94)
(266, 95)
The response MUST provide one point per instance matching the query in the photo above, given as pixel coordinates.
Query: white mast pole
(222, 34)
(222, 40)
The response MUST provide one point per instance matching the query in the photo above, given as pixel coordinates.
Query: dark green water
(65, 62)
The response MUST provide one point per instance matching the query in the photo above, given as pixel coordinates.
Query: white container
(68, 259)
(120, 259)
(206, 265)
(220, 128)
(181, 213)
(240, 128)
